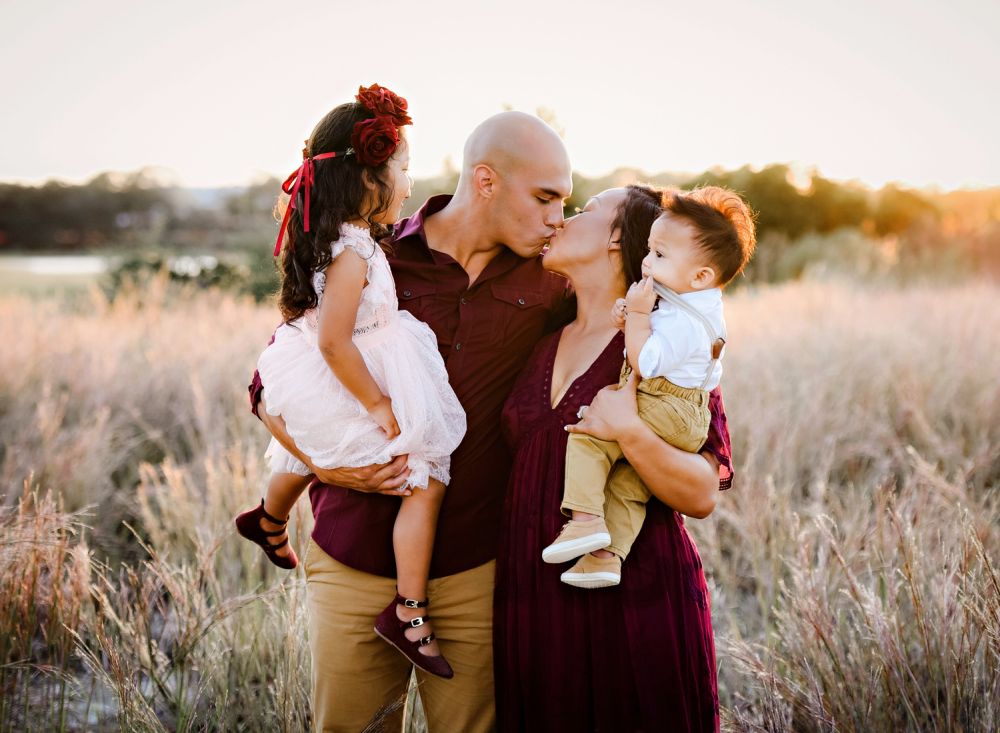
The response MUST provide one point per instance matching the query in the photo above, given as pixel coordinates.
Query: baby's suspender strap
(716, 340)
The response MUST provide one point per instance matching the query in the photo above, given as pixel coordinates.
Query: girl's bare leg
(283, 490)
(413, 543)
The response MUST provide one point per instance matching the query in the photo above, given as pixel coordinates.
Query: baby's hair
(723, 224)
(341, 191)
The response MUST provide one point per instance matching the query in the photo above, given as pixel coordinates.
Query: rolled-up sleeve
(256, 387)
(666, 348)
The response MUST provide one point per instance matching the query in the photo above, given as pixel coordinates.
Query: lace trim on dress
(359, 239)
(378, 298)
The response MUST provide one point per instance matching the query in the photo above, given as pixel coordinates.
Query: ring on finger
(581, 411)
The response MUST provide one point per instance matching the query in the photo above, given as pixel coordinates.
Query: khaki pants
(596, 485)
(355, 673)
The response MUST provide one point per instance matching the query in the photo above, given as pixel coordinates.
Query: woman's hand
(612, 414)
(381, 412)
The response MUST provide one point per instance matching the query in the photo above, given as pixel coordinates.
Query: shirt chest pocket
(519, 314)
(416, 298)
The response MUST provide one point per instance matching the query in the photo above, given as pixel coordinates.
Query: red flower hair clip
(375, 140)
(383, 103)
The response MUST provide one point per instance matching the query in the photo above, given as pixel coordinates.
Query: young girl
(356, 380)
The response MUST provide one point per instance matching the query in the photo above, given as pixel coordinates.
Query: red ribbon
(303, 175)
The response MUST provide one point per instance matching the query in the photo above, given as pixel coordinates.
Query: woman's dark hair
(635, 217)
(633, 220)
(339, 194)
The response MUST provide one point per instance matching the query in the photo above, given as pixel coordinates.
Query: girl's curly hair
(343, 190)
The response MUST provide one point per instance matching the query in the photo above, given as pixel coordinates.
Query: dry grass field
(855, 565)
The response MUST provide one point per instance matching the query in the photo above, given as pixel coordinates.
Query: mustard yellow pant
(355, 673)
(599, 482)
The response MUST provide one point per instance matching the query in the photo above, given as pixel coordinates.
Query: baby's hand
(641, 297)
(381, 412)
(618, 313)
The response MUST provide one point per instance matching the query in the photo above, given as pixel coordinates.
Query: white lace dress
(326, 421)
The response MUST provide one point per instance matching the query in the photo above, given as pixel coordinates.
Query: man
(466, 265)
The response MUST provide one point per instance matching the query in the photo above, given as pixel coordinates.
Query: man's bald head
(511, 141)
(515, 178)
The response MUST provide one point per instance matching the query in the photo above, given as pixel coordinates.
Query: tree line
(801, 218)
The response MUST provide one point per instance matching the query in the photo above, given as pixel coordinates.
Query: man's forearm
(276, 426)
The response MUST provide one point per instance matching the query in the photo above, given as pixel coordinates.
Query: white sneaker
(594, 572)
(577, 538)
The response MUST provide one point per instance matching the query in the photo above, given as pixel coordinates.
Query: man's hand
(380, 478)
(618, 314)
(641, 297)
(381, 412)
(385, 478)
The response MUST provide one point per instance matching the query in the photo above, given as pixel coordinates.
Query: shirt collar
(414, 225)
(412, 230)
(703, 298)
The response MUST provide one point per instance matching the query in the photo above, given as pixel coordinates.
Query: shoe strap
(415, 623)
(426, 640)
(410, 602)
(269, 518)
(278, 546)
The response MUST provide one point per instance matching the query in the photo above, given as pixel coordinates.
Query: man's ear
(703, 278)
(484, 179)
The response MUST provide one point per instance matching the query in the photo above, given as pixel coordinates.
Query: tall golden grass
(854, 566)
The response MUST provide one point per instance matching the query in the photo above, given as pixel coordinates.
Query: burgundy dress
(636, 657)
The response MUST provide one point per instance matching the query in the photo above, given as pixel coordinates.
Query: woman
(639, 656)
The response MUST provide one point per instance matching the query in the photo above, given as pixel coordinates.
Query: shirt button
(406, 293)
(520, 301)
(458, 347)
(463, 301)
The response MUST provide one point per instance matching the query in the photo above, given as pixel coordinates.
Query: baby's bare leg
(413, 543)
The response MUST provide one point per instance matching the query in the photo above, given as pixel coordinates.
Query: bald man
(467, 265)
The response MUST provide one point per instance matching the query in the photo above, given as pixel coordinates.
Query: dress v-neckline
(547, 382)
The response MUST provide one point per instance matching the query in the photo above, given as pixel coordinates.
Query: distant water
(56, 264)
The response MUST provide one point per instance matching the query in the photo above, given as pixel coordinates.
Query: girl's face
(585, 239)
(399, 180)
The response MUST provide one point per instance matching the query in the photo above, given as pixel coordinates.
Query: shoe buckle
(410, 603)
(417, 622)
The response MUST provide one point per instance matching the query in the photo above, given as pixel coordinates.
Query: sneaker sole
(590, 580)
(570, 549)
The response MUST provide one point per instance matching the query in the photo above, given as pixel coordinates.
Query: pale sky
(218, 93)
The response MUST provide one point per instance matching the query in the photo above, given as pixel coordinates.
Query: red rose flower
(380, 101)
(374, 140)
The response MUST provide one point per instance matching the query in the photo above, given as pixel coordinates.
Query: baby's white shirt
(679, 348)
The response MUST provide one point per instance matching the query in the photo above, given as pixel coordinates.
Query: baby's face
(674, 258)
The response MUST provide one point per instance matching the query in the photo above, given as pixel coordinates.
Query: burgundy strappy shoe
(248, 525)
(390, 628)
